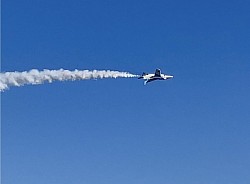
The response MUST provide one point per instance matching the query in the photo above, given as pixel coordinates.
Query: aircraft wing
(157, 73)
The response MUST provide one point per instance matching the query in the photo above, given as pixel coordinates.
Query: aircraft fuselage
(156, 76)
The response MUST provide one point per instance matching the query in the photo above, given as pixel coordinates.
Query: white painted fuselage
(152, 76)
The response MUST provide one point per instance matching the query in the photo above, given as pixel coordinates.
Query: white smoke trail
(34, 76)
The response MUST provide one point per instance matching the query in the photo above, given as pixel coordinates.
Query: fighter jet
(156, 76)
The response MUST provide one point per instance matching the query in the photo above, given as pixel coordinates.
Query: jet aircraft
(156, 76)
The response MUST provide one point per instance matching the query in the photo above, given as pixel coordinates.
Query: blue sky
(192, 129)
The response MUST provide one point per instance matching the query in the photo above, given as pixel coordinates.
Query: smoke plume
(34, 76)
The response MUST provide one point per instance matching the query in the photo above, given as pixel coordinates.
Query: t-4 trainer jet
(156, 76)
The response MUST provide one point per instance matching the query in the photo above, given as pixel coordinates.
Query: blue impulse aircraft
(156, 76)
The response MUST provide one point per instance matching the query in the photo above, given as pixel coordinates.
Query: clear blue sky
(194, 129)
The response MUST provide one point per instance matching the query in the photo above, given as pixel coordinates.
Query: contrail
(34, 76)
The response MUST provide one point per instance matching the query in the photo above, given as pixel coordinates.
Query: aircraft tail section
(157, 72)
(143, 74)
